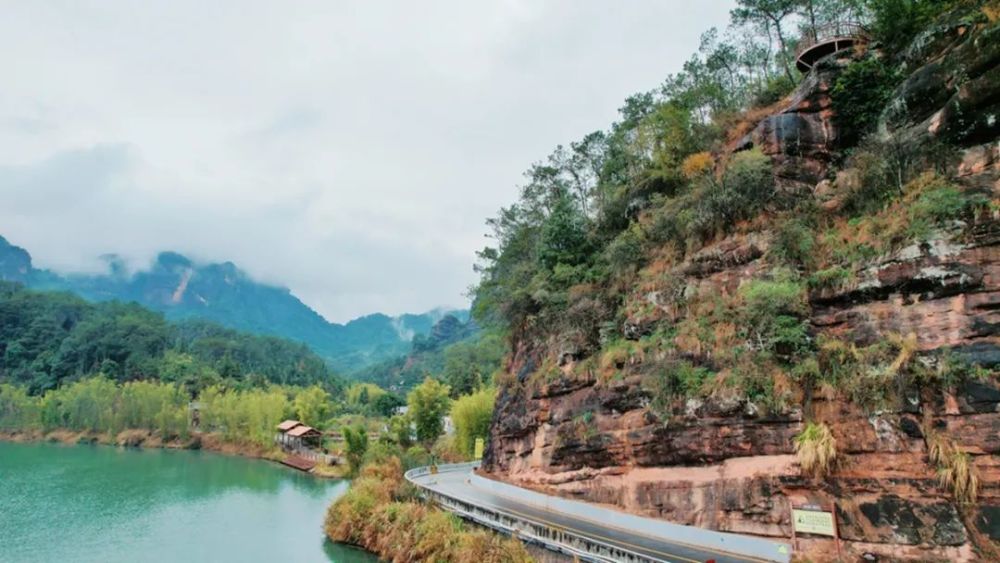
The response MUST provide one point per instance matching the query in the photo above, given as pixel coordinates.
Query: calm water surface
(94, 503)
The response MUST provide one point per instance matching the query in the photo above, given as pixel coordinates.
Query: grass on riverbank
(381, 513)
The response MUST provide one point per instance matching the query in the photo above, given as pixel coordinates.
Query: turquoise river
(98, 503)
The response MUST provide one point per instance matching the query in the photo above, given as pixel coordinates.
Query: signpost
(813, 519)
(811, 522)
(480, 445)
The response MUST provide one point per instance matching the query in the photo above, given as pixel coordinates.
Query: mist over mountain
(184, 289)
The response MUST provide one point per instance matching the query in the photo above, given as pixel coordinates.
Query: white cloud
(350, 151)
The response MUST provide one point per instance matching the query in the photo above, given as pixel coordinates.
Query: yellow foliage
(697, 164)
(992, 12)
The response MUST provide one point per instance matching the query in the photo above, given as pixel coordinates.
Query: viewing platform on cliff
(828, 39)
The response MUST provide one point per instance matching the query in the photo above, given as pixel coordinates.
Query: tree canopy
(48, 338)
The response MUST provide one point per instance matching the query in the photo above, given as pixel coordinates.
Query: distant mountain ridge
(221, 292)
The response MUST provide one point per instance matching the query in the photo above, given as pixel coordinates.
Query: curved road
(458, 484)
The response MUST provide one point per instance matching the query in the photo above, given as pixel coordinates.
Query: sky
(350, 151)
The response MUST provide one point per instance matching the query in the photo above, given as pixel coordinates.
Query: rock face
(800, 137)
(722, 464)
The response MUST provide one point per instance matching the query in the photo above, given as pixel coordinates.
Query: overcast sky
(350, 151)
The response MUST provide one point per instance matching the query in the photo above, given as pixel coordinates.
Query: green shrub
(675, 381)
(416, 456)
(355, 445)
(673, 220)
(625, 252)
(939, 205)
(832, 277)
(895, 23)
(949, 370)
(872, 377)
(794, 243)
(746, 188)
(774, 90)
(761, 381)
(471, 415)
(774, 316)
(18, 410)
(859, 94)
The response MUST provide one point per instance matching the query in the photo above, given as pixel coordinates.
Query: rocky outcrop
(724, 468)
(944, 292)
(721, 463)
(801, 137)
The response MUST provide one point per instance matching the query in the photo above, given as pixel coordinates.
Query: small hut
(304, 436)
(283, 428)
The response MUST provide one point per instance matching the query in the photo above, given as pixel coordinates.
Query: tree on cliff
(428, 404)
(768, 14)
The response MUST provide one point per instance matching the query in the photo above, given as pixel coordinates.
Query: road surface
(458, 484)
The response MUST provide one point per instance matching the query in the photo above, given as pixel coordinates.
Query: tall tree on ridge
(768, 13)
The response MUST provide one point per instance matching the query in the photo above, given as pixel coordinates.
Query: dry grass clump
(377, 514)
(959, 476)
(955, 470)
(817, 450)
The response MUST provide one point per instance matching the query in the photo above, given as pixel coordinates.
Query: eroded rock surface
(723, 465)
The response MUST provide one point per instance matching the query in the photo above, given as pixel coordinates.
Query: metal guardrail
(578, 544)
(829, 32)
(564, 541)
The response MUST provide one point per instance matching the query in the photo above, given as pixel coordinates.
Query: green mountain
(50, 337)
(222, 293)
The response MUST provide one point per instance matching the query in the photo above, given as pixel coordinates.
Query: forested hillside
(222, 293)
(49, 338)
(458, 353)
(785, 276)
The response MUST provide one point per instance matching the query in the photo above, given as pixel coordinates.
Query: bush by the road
(381, 514)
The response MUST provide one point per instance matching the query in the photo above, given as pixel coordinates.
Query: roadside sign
(810, 518)
(814, 522)
(479, 449)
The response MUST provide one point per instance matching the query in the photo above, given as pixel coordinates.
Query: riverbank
(384, 515)
(140, 438)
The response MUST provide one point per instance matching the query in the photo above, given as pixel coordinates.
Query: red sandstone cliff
(721, 463)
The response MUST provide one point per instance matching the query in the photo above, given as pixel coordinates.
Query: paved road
(457, 484)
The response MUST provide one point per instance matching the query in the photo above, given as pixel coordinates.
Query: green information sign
(813, 522)
(479, 449)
